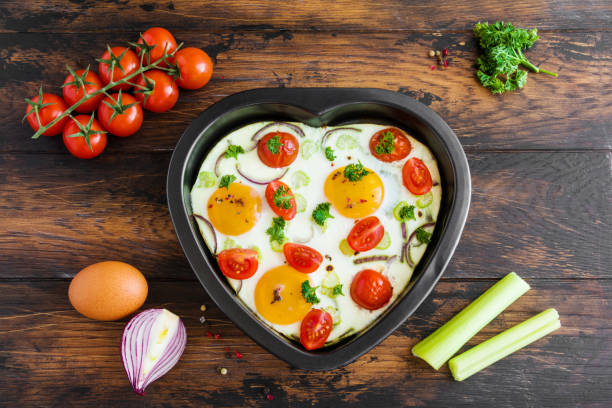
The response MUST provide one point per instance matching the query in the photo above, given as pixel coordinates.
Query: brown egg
(108, 290)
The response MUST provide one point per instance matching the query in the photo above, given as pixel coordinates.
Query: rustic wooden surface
(541, 162)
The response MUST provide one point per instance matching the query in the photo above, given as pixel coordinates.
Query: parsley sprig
(321, 213)
(277, 230)
(407, 213)
(282, 197)
(423, 236)
(502, 45)
(274, 144)
(329, 154)
(227, 180)
(385, 145)
(337, 290)
(355, 171)
(233, 151)
(310, 292)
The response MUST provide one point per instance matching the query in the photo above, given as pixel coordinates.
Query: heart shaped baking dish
(320, 107)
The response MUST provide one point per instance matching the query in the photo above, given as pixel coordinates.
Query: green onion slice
(425, 200)
(385, 242)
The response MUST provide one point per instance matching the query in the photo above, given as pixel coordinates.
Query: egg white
(326, 240)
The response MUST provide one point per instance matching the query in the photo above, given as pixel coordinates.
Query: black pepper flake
(329, 268)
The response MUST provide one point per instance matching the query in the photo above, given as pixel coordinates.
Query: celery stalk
(504, 344)
(442, 344)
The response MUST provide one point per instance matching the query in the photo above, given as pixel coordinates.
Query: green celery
(504, 344)
(442, 344)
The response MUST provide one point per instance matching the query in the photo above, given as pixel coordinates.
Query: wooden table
(541, 164)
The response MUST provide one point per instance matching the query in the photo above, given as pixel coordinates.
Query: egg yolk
(234, 210)
(278, 295)
(354, 199)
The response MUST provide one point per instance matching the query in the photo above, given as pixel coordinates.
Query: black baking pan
(320, 107)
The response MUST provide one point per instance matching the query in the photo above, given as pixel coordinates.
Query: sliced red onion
(404, 231)
(261, 182)
(406, 252)
(390, 261)
(152, 343)
(212, 229)
(332, 131)
(221, 157)
(372, 258)
(260, 133)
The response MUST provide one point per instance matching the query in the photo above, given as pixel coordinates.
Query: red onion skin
(295, 128)
(212, 229)
(261, 182)
(372, 258)
(404, 230)
(132, 363)
(221, 157)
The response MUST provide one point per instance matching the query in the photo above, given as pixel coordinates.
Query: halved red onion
(332, 131)
(152, 343)
(212, 229)
(260, 133)
(261, 182)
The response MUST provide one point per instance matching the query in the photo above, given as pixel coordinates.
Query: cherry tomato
(315, 329)
(48, 113)
(366, 234)
(125, 58)
(284, 203)
(195, 67)
(238, 263)
(399, 148)
(284, 149)
(127, 121)
(371, 289)
(77, 145)
(416, 176)
(162, 92)
(73, 93)
(160, 39)
(301, 257)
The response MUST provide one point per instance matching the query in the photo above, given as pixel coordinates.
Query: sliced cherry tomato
(49, 107)
(195, 67)
(128, 114)
(390, 144)
(73, 92)
(371, 289)
(278, 149)
(161, 92)
(159, 39)
(366, 234)
(301, 257)
(126, 63)
(315, 329)
(77, 145)
(416, 176)
(282, 201)
(238, 263)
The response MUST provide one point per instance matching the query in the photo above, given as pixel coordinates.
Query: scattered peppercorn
(445, 52)
(446, 63)
(432, 53)
(202, 319)
(437, 53)
(203, 308)
(222, 370)
(238, 354)
(433, 67)
(209, 334)
(217, 336)
(270, 397)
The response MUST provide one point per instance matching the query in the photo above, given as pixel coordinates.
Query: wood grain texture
(339, 15)
(544, 215)
(43, 343)
(573, 111)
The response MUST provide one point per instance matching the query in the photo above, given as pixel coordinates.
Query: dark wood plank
(544, 215)
(573, 111)
(356, 15)
(51, 356)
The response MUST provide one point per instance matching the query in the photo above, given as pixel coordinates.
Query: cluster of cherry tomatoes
(117, 111)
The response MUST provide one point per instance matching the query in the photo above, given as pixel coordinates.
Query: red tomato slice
(278, 149)
(416, 176)
(238, 263)
(303, 258)
(315, 329)
(286, 207)
(371, 289)
(366, 234)
(399, 149)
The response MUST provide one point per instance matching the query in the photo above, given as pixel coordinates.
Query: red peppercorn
(238, 355)
(217, 336)
(445, 52)
(446, 63)
(270, 397)
(208, 334)
(433, 67)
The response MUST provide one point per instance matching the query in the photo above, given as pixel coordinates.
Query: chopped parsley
(274, 144)
(385, 145)
(355, 172)
(329, 153)
(233, 151)
(310, 293)
(423, 236)
(227, 180)
(276, 231)
(282, 197)
(407, 213)
(337, 290)
(321, 213)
